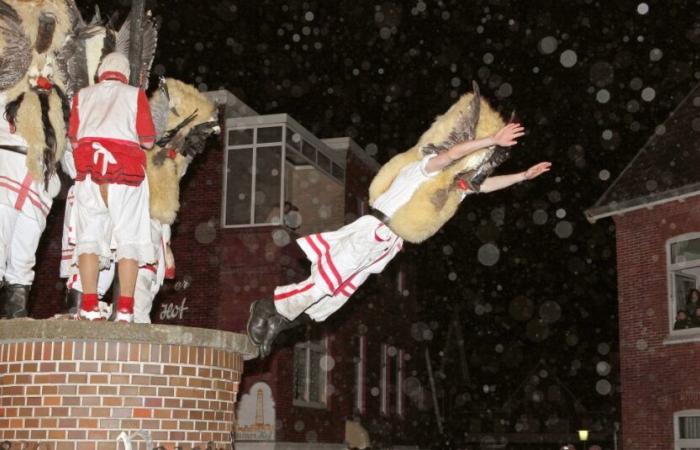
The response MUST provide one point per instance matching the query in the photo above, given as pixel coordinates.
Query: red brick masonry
(70, 394)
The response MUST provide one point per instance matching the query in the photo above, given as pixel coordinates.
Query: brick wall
(657, 379)
(76, 395)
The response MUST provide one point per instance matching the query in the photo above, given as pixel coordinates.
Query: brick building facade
(228, 254)
(655, 204)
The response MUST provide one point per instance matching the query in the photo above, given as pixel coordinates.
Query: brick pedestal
(68, 385)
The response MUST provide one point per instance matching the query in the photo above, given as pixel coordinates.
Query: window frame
(254, 146)
(360, 399)
(310, 345)
(687, 443)
(671, 270)
(384, 380)
(288, 125)
(400, 412)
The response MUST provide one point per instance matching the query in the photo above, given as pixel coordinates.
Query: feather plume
(160, 107)
(165, 169)
(436, 200)
(464, 129)
(150, 40)
(16, 48)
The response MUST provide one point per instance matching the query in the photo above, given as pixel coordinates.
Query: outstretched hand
(508, 135)
(537, 170)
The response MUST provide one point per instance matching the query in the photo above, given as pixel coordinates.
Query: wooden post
(138, 8)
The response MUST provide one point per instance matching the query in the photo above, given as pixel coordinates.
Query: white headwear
(114, 62)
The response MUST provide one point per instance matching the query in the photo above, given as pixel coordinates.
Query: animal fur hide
(163, 172)
(436, 201)
(46, 24)
(29, 125)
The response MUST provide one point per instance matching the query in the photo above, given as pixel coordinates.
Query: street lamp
(583, 435)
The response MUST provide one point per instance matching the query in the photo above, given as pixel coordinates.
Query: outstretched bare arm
(505, 137)
(503, 181)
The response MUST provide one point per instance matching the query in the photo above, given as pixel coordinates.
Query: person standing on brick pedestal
(110, 125)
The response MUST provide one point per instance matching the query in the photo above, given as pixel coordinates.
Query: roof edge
(647, 201)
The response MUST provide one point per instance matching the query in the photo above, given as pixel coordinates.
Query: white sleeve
(424, 162)
(67, 162)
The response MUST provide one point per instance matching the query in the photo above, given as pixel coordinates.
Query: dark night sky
(590, 81)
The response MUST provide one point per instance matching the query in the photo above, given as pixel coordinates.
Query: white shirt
(404, 186)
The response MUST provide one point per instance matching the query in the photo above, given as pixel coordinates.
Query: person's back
(108, 110)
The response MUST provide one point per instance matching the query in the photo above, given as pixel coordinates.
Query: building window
(254, 176)
(384, 382)
(398, 382)
(401, 281)
(686, 425)
(683, 277)
(272, 162)
(391, 383)
(360, 373)
(310, 374)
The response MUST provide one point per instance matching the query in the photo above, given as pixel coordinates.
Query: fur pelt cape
(436, 200)
(45, 130)
(164, 171)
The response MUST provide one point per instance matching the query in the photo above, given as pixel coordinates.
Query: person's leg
(88, 266)
(293, 299)
(21, 258)
(93, 235)
(128, 270)
(8, 218)
(89, 263)
(129, 210)
(269, 317)
(144, 295)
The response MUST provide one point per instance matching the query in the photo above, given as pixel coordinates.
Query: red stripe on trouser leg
(319, 264)
(125, 304)
(329, 260)
(89, 302)
(294, 292)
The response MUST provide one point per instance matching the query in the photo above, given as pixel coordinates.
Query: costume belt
(14, 148)
(380, 215)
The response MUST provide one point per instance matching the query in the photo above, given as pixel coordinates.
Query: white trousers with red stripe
(340, 262)
(19, 239)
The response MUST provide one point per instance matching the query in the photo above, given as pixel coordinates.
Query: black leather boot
(14, 301)
(74, 299)
(275, 325)
(260, 311)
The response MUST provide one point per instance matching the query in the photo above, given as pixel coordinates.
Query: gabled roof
(667, 167)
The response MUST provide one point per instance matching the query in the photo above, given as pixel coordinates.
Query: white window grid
(320, 347)
(672, 269)
(322, 151)
(686, 443)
